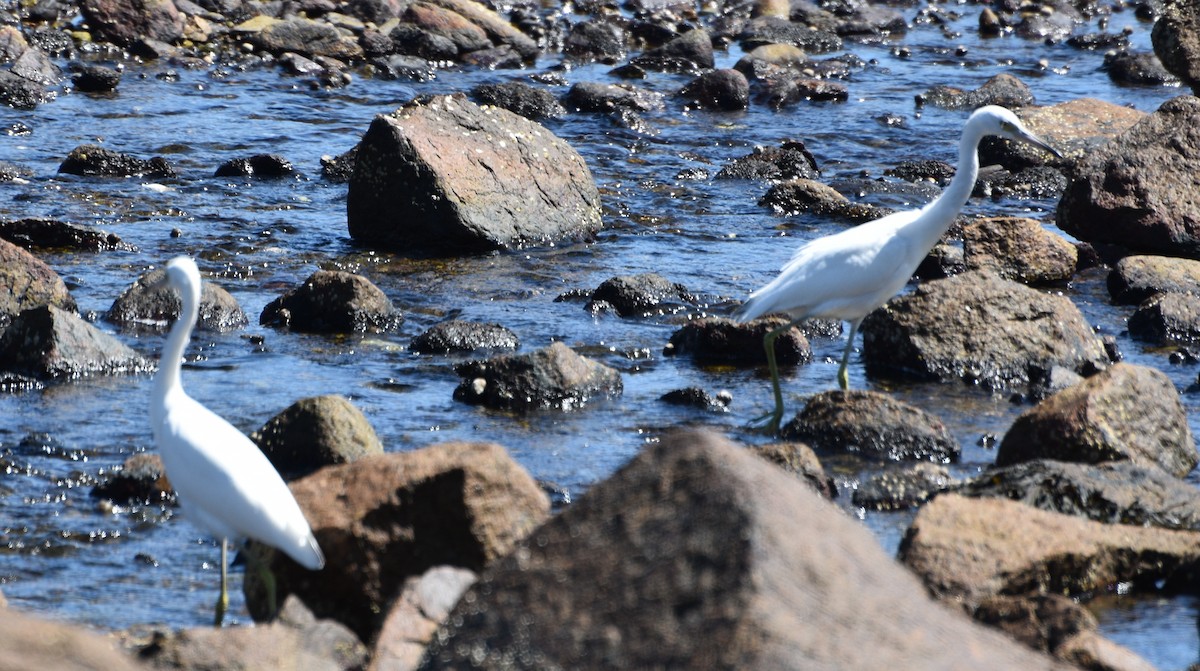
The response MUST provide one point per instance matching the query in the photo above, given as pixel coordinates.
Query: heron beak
(1038, 142)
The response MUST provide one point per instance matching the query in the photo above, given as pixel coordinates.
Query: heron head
(1001, 121)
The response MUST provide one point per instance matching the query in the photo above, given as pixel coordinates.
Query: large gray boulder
(700, 555)
(48, 343)
(979, 329)
(1139, 190)
(26, 282)
(444, 174)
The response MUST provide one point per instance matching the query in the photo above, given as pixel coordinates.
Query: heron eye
(1008, 127)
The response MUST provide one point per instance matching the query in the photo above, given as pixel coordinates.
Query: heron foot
(768, 423)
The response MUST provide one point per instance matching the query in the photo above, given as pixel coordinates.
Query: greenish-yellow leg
(772, 419)
(842, 375)
(223, 599)
(268, 578)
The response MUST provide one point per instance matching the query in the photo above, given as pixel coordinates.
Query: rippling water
(63, 556)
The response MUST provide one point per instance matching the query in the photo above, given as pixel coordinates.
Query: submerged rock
(95, 161)
(554, 377)
(901, 489)
(1127, 412)
(871, 425)
(800, 460)
(717, 340)
(142, 479)
(732, 564)
(36, 233)
(445, 174)
(315, 432)
(463, 336)
(1003, 89)
(690, 52)
(333, 301)
(520, 98)
(641, 295)
(151, 305)
(259, 165)
(1138, 190)
(725, 90)
(979, 329)
(791, 160)
(96, 79)
(384, 519)
(49, 343)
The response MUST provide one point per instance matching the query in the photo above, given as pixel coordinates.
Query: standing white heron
(846, 275)
(223, 481)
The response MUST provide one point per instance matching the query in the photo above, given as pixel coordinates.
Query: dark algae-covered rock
(315, 432)
(332, 301)
(150, 304)
(873, 426)
(554, 377)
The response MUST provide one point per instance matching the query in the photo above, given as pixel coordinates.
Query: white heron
(846, 275)
(223, 481)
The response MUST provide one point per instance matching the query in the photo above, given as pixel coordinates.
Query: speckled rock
(717, 340)
(553, 377)
(332, 301)
(315, 432)
(463, 336)
(26, 282)
(871, 425)
(1135, 279)
(1019, 249)
(150, 305)
(49, 343)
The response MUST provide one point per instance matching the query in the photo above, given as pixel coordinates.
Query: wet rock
(641, 295)
(20, 93)
(1032, 183)
(943, 260)
(59, 235)
(445, 174)
(32, 643)
(596, 97)
(717, 340)
(796, 196)
(499, 31)
(411, 40)
(967, 550)
(463, 336)
(902, 489)
(315, 432)
(26, 282)
(260, 165)
(91, 160)
(49, 343)
(766, 30)
(1166, 318)
(465, 36)
(708, 540)
(690, 52)
(800, 460)
(148, 304)
(306, 37)
(791, 160)
(1075, 128)
(384, 519)
(979, 329)
(1138, 190)
(937, 172)
(96, 79)
(1176, 40)
(725, 90)
(424, 603)
(1127, 412)
(1003, 89)
(1057, 625)
(521, 98)
(784, 91)
(1136, 278)
(296, 641)
(871, 425)
(37, 67)
(123, 22)
(1018, 249)
(333, 301)
(1137, 69)
(1116, 492)
(696, 397)
(140, 480)
(596, 39)
(554, 377)
(338, 169)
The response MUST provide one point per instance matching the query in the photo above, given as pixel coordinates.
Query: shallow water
(61, 555)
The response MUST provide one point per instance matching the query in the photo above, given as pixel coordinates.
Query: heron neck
(167, 380)
(940, 214)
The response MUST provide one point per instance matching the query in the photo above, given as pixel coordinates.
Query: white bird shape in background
(224, 482)
(847, 275)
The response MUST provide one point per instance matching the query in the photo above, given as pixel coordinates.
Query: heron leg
(223, 599)
(268, 580)
(842, 375)
(772, 419)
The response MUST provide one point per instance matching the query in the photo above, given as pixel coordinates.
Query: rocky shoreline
(702, 552)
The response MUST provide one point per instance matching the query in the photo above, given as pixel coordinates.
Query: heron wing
(840, 276)
(218, 470)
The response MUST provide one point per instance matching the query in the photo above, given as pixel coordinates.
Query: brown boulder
(49, 343)
(383, 519)
(447, 175)
(1166, 318)
(699, 555)
(979, 329)
(26, 282)
(333, 301)
(1018, 249)
(124, 22)
(1138, 191)
(32, 643)
(315, 432)
(966, 550)
(415, 615)
(1127, 412)
(1176, 40)
(871, 425)
(1136, 278)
